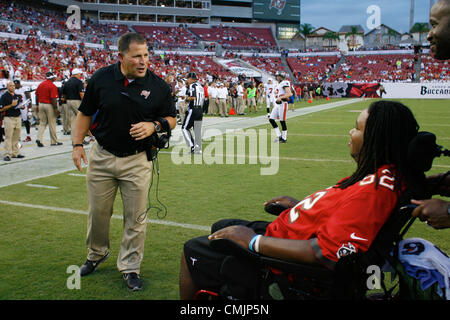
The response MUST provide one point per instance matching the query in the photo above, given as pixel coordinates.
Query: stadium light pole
(411, 15)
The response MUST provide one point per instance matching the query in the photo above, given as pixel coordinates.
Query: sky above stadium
(333, 14)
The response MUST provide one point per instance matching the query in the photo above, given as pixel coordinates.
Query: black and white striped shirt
(196, 90)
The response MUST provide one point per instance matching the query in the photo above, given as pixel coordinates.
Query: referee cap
(191, 75)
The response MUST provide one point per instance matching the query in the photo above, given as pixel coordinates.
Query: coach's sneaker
(39, 144)
(90, 266)
(134, 282)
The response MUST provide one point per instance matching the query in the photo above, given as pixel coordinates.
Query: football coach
(124, 104)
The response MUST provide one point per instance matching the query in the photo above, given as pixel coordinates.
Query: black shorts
(205, 263)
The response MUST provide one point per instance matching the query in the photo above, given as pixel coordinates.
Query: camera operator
(121, 107)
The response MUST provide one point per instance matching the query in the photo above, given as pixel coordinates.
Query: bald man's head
(439, 35)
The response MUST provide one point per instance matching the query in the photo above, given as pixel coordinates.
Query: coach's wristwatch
(157, 126)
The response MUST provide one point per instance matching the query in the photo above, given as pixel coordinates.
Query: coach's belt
(121, 154)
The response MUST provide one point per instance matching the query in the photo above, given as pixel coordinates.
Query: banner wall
(432, 90)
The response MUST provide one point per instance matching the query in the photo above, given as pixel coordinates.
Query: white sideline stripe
(271, 158)
(40, 186)
(237, 133)
(76, 174)
(114, 216)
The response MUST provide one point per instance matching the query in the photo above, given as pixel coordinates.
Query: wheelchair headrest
(422, 150)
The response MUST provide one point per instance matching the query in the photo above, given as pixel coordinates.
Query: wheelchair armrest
(230, 247)
(307, 270)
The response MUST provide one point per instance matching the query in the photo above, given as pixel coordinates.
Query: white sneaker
(197, 149)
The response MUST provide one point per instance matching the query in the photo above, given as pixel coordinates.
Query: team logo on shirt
(414, 248)
(145, 93)
(345, 250)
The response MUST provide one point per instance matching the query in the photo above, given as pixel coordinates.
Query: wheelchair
(251, 276)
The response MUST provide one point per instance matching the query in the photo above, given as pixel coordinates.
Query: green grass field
(39, 243)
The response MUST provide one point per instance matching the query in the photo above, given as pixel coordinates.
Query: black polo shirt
(72, 89)
(115, 107)
(6, 99)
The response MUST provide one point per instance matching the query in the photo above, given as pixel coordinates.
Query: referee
(123, 105)
(194, 114)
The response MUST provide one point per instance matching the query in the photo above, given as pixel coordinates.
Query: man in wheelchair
(320, 230)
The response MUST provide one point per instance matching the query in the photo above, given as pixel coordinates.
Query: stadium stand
(236, 38)
(44, 43)
(375, 67)
(168, 37)
(434, 70)
(312, 68)
(268, 64)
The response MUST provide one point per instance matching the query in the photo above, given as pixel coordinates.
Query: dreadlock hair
(389, 129)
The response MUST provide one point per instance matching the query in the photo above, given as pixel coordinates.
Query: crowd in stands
(168, 37)
(269, 64)
(36, 21)
(434, 70)
(312, 68)
(369, 68)
(31, 58)
(236, 38)
(175, 64)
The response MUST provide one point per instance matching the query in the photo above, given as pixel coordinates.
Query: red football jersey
(337, 221)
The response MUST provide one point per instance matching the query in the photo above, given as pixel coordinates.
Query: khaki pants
(240, 105)
(65, 118)
(72, 111)
(105, 174)
(212, 108)
(222, 105)
(12, 135)
(182, 108)
(47, 117)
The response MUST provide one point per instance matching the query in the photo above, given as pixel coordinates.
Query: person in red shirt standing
(298, 93)
(328, 224)
(47, 107)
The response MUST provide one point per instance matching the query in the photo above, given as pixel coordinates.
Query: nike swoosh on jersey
(353, 236)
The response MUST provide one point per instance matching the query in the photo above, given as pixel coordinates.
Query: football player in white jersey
(269, 87)
(281, 93)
